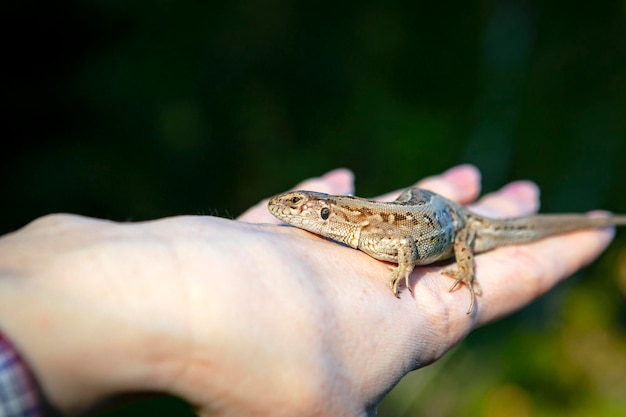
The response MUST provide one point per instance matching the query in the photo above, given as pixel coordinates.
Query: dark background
(132, 111)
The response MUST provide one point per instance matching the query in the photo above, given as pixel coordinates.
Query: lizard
(421, 227)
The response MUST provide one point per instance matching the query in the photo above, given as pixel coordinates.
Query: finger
(460, 183)
(519, 198)
(337, 181)
(513, 276)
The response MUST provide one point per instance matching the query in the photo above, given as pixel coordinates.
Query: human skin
(245, 317)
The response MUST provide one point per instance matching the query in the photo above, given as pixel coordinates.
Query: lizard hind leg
(469, 281)
(463, 253)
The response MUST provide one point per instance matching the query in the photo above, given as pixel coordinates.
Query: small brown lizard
(419, 228)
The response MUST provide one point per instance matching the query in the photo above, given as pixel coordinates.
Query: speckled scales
(419, 228)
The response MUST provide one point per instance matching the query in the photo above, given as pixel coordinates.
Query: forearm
(73, 324)
(191, 306)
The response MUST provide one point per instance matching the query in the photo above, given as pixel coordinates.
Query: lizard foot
(469, 281)
(397, 275)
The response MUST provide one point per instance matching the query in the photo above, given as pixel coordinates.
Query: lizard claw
(396, 278)
(394, 288)
(471, 284)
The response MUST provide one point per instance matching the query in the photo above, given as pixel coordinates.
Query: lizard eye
(324, 213)
(294, 200)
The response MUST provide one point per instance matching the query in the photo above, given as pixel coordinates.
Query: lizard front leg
(406, 254)
(464, 254)
(397, 248)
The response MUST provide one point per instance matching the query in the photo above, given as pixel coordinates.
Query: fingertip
(609, 231)
(340, 179)
(524, 192)
(337, 181)
(523, 189)
(460, 183)
(464, 174)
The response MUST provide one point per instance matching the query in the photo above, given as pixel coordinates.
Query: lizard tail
(544, 225)
(499, 232)
(619, 220)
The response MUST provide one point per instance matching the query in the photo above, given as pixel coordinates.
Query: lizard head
(312, 211)
(300, 208)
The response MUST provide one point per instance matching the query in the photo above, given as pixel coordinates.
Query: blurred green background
(137, 110)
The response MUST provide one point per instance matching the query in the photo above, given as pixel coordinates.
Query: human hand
(244, 318)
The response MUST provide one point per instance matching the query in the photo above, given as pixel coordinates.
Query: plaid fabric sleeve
(19, 393)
